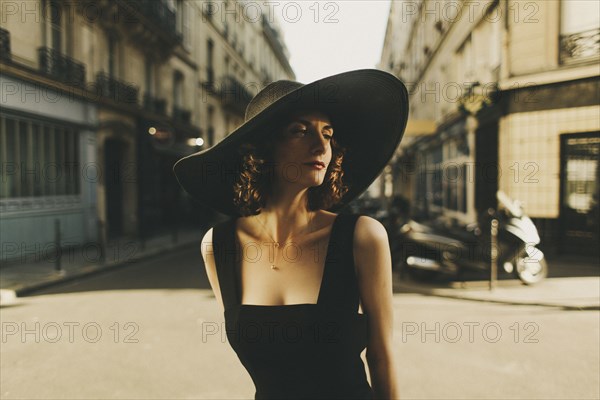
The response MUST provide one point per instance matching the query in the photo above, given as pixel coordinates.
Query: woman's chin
(316, 182)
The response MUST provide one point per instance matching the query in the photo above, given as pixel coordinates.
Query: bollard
(494, 254)
(58, 252)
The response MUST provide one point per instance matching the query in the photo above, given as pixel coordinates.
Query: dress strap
(224, 246)
(340, 286)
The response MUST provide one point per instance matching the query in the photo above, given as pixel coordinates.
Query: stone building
(504, 96)
(100, 98)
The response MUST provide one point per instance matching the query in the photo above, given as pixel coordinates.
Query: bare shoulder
(371, 247)
(369, 231)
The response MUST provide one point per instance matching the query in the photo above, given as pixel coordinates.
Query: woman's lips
(315, 165)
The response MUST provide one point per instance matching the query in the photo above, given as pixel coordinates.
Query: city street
(469, 129)
(153, 330)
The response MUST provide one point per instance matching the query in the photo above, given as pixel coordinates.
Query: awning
(419, 127)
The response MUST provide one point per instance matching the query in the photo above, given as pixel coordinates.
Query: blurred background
(99, 98)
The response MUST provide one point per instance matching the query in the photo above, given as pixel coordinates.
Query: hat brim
(368, 109)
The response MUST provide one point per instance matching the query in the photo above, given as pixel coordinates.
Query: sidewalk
(18, 279)
(572, 284)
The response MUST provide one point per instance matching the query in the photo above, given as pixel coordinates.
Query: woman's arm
(374, 268)
(208, 255)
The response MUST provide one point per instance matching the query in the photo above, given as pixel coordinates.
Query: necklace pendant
(273, 267)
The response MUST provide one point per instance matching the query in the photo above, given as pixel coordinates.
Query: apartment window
(443, 176)
(149, 75)
(177, 89)
(54, 17)
(183, 24)
(434, 163)
(211, 129)
(455, 174)
(209, 61)
(39, 158)
(112, 55)
(179, 16)
(251, 60)
(464, 57)
(420, 186)
(429, 184)
(579, 30)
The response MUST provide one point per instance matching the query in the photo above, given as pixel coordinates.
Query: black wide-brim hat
(368, 109)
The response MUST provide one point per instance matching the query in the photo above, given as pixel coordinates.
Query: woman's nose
(319, 142)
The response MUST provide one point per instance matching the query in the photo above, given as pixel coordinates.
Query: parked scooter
(428, 250)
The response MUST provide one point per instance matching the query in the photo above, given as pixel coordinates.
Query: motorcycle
(429, 250)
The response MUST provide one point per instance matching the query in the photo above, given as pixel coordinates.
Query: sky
(329, 37)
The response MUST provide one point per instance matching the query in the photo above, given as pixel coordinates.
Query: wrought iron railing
(580, 45)
(158, 18)
(115, 89)
(157, 12)
(234, 94)
(209, 83)
(181, 115)
(5, 45)
(154, 105)
(61, 67)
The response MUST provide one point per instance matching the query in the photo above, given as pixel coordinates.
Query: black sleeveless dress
(299, 351)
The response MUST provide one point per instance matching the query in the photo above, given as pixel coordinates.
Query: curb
(416, 287)
(89, 270)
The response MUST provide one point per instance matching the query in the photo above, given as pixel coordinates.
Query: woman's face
(306, 138)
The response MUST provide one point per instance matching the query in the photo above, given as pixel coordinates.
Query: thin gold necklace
(276, 243)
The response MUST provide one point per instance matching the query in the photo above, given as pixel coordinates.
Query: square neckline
(238, 284)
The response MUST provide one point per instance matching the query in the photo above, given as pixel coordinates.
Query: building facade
(100, 98)
(504, 96)
(243, 50)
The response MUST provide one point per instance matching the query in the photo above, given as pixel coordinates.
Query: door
(580, 185)
(113, 183)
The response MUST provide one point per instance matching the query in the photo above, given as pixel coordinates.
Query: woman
(304, 290)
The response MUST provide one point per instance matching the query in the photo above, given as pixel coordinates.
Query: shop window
(38, 159)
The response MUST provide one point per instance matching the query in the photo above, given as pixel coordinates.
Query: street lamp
(471, 103)
(195, 141)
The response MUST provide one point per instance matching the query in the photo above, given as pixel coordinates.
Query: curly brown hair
(253, 184)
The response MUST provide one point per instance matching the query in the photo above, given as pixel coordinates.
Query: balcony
(150, 23)
(116, 90)
(581, 46)
(154, 105)
(158, 13)
(234, 95)
(5, 45)
(182, 116)
(61, 67)
(209, 83)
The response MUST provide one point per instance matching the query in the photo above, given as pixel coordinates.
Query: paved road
(137, 333)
